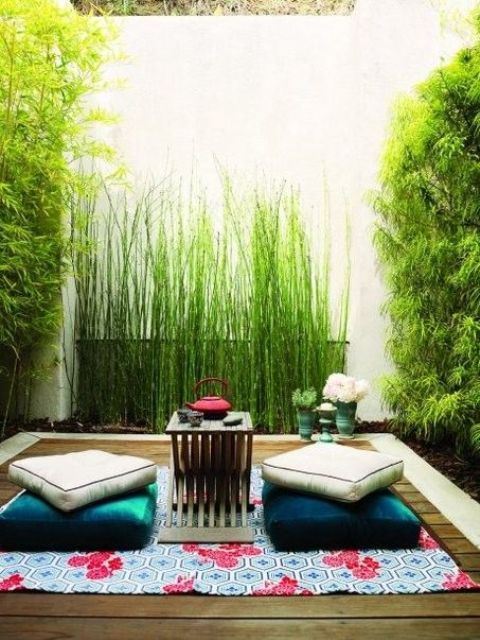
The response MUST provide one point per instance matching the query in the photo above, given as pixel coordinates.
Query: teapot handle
(224, 383)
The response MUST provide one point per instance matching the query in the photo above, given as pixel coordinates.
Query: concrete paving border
(455, 504)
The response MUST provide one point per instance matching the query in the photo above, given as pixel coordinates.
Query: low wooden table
(209, 484)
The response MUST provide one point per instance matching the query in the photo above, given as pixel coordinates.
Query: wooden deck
(42, 616)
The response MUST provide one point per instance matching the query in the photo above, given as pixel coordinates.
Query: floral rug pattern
(234, 569)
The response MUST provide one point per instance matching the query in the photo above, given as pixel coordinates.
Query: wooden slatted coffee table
(209, 484)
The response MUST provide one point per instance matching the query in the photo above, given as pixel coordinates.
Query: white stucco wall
(292, 98)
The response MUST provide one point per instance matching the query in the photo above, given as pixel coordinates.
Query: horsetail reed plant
(170, 294)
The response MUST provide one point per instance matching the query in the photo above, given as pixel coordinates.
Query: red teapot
(214, 407)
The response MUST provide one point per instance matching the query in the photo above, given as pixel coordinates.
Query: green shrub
(50, 59)
(428, 238)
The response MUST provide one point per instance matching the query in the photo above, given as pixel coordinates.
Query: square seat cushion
(304, 522)
(334, 471)
(28, 523)
(73, 480)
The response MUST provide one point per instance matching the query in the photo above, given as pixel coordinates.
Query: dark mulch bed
(464, 473)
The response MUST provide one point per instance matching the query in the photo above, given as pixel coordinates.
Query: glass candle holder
(326, 412)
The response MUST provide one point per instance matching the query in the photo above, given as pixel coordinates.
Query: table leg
(211, 483)
(180, 481)
(244, 500)
(210, 478)
(233, 482)
(192, 462)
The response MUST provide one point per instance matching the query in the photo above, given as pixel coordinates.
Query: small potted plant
(345, 392)
(304, 402)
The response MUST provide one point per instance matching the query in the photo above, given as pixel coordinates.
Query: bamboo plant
(428, 240)
(50, 59)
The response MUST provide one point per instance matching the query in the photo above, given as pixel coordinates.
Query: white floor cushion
(74, 480)
(333, 471)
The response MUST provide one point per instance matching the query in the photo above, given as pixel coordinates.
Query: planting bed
(210, 7)
(464, 473)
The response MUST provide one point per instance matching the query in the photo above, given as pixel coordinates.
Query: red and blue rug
(235, 569)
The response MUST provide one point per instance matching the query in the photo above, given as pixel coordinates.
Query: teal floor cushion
(29, 523)
(303, 522)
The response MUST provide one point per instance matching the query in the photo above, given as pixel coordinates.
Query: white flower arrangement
(342, 388)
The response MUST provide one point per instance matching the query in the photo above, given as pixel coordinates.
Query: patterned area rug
(234, 569)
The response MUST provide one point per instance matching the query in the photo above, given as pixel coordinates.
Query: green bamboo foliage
(428, 239)
(50, 60)
(167, 296)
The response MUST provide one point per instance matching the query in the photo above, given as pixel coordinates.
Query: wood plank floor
(42, 616)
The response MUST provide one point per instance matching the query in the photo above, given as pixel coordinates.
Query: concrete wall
(291, 98)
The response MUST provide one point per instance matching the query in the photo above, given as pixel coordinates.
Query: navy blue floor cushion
(29, 523)
(304, 522)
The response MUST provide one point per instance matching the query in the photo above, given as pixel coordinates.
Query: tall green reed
(169, 294)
